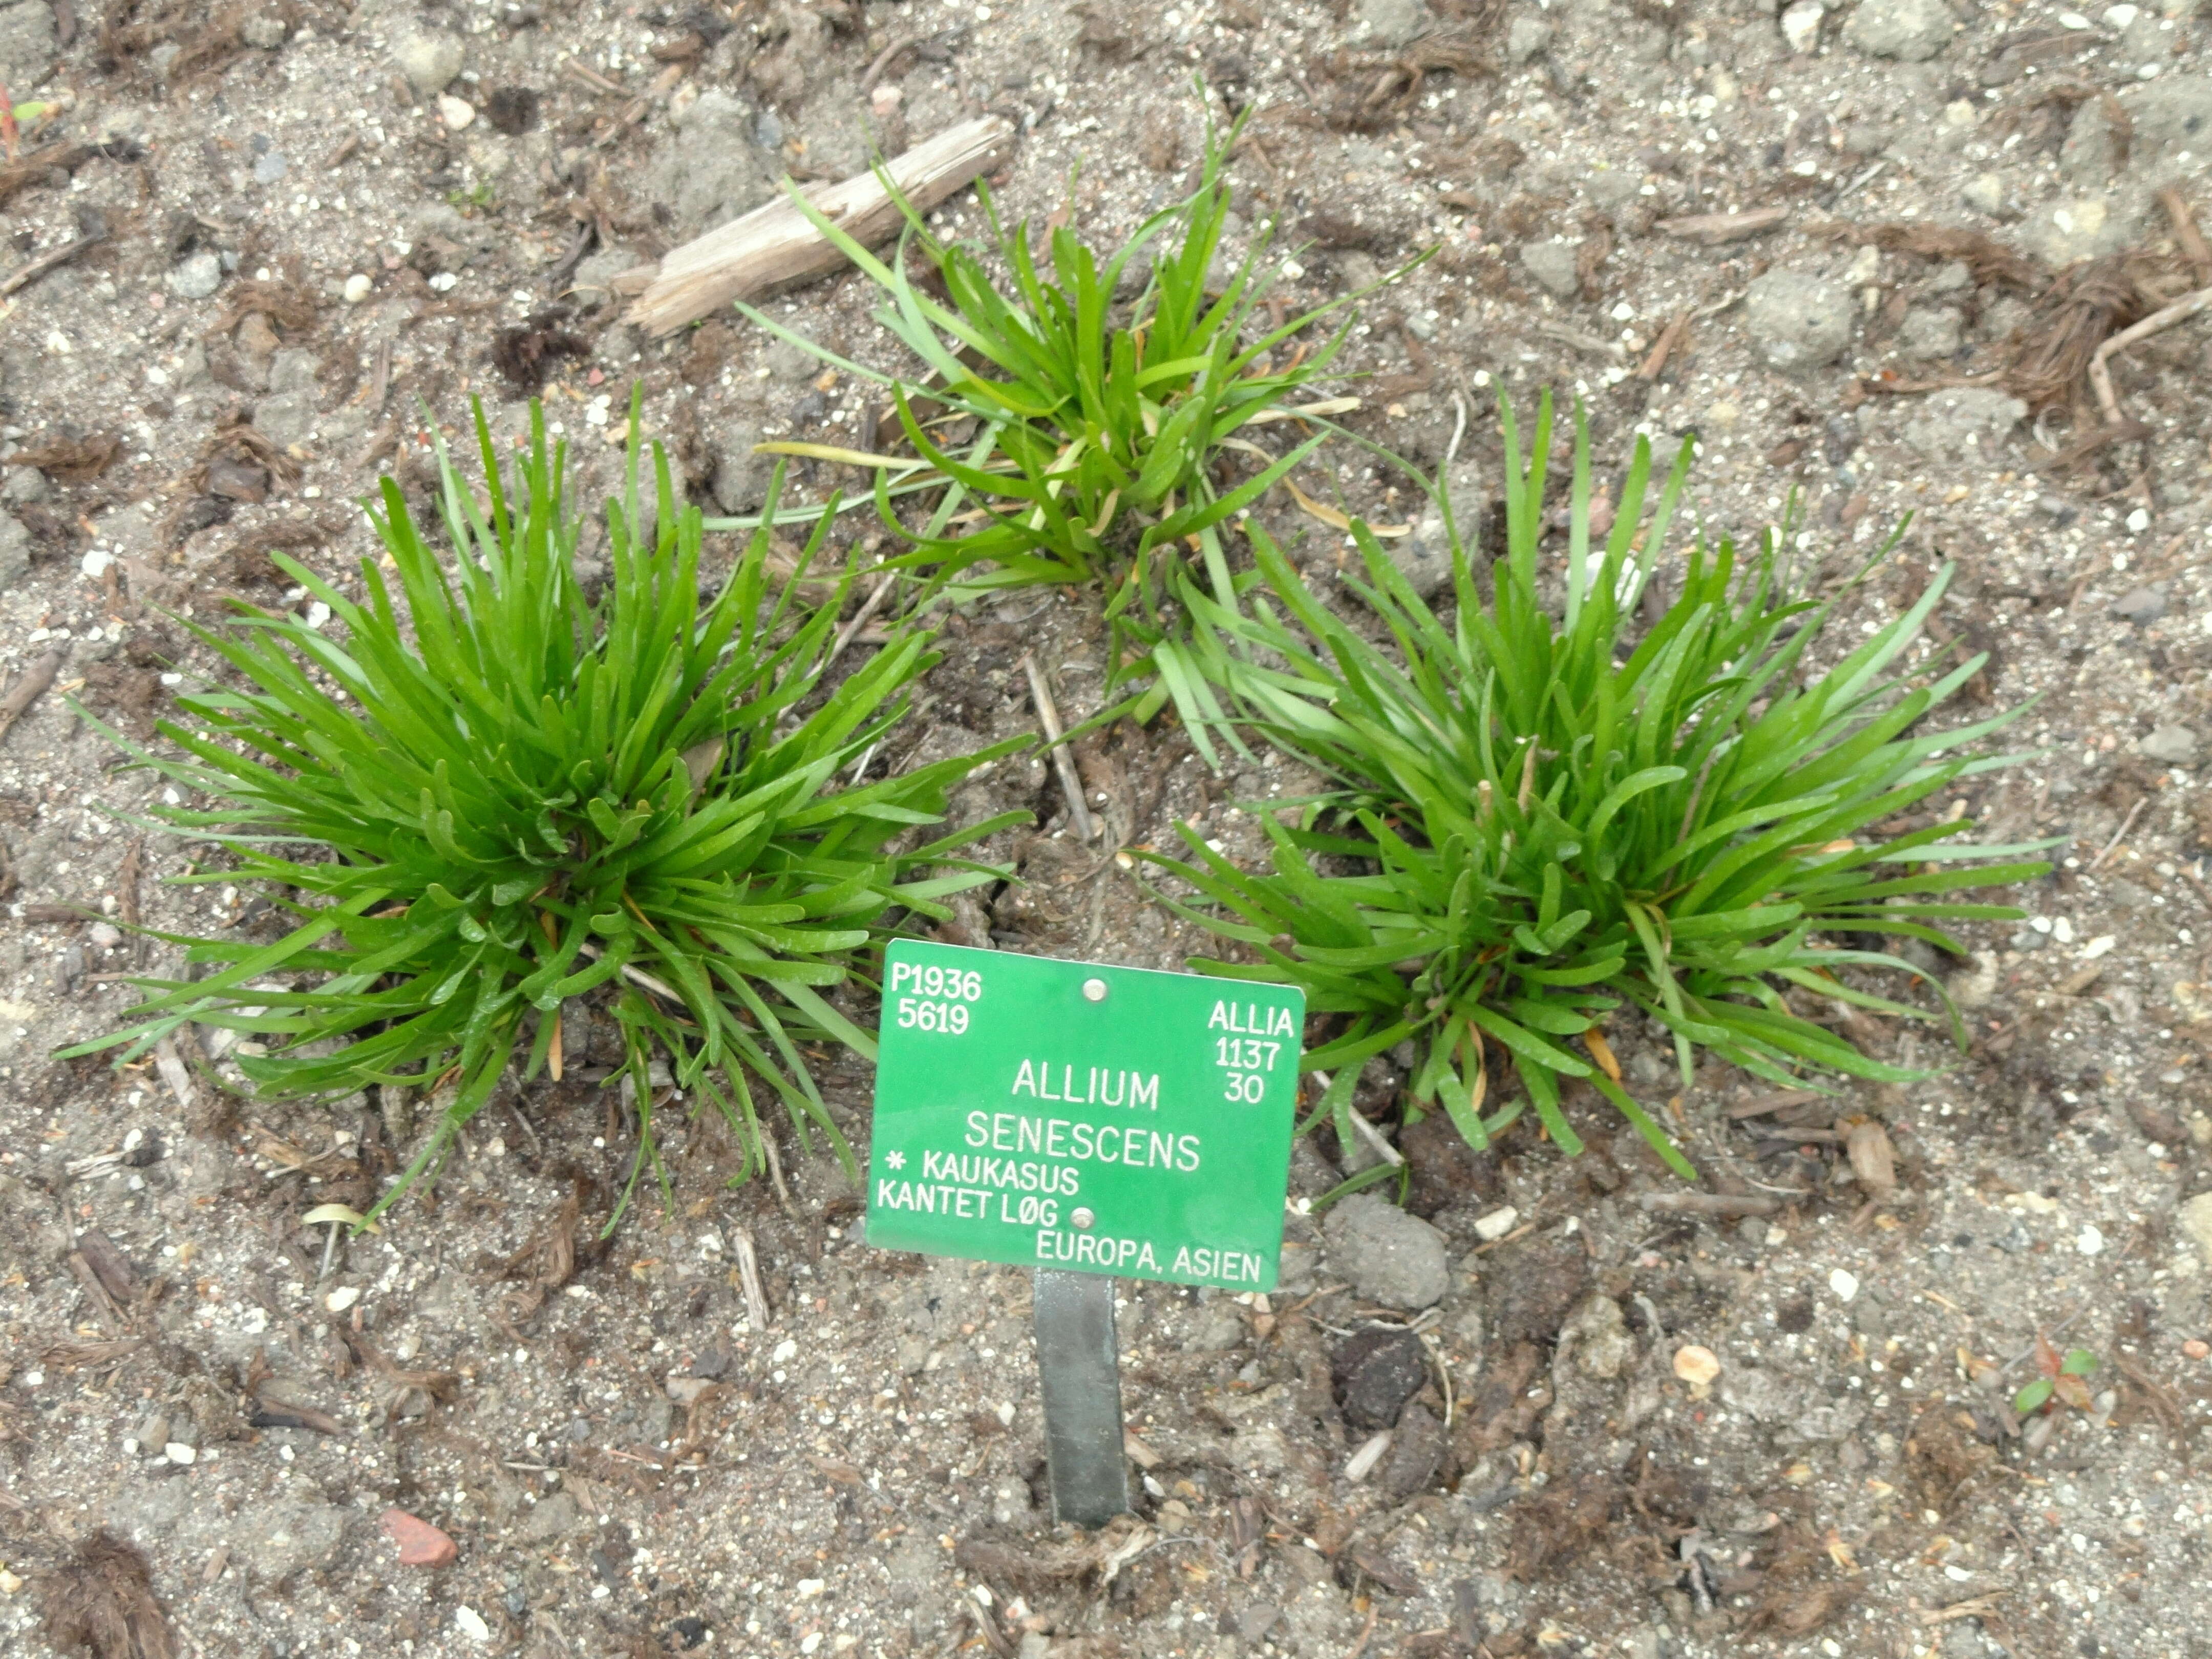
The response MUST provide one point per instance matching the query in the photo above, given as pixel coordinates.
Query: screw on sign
(1086, 1121)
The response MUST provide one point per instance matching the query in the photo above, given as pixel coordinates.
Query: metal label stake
(1091, 1123)
(1080, 1370)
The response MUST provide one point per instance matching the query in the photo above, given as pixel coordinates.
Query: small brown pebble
(421, 1544)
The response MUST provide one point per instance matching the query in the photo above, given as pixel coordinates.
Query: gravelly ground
(628, 1465)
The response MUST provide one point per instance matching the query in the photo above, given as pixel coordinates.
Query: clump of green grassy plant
(491, 794)
(1535, 820)
(1098, 424)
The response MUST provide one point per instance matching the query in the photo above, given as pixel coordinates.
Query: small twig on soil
(1670, 341)
(2193, 248)
(741, 1245)
(1063, 763)
(2100, 371)
(1864, 178)
(1711, 1204)
(171, 1065)
(2060, 460)
(2196, 885)
(867, 613)
(2050, 1336)
(1713, 230)
(2121, 833)
(898, 43)
(30, 272)
(592, 77)
(29, 688)
(2163, 1405)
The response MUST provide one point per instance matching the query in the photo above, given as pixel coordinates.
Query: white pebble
(178, 1452)
(1800, 25)
(455, 113)
(471, 1623)
(784, 1349)
(1844, 1282)
(2097, 947)
(2089, 1241)
(342, 1298)
(1495, 1225)
(97, 562)
(357, 288)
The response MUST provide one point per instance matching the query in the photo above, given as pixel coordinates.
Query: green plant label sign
(1066, 1115)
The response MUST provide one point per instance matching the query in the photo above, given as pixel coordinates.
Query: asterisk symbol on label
(896, 1160)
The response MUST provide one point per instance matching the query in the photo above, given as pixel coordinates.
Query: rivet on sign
(1095, 990)
(1083, 1218)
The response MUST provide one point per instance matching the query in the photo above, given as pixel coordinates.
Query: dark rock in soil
(1375, 1371)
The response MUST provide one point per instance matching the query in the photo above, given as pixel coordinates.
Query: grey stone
(1254, 1623)
(1963, 1640)
(711, 171)
(263, 30)
(1985, 193)
(2148, 42)
(1389, 1257)
(1962, 420)
(287, 419)
(1259, 1450)
(27, 44)
(553, 1517)
(1912, 31)
(469, 238)
(2142, 606)
(271, 165)
(1526, 37)
(1603, 1347)
(740, 478)
(196, 276)
(1375, 1371)
(2196, 1219)
(1395, 22)
(14, 551)
(1952, 276)
(2170, 745)
(275, 1541)
(2092, 152)
(1761, 1394)
(1425, 558)
(429, 59)
(1553, 264)
(1416, 1449)
(25, 483)
(1219, 1329)
(1930, 332)
(790, 361)
(2072, 229)
(1613, 187)
(292, 370)
(2172, 116)
(1798, 322)
(597, 270)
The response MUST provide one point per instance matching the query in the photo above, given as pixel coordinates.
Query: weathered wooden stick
(776, 244)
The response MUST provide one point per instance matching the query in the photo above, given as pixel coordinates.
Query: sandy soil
(316, 230)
